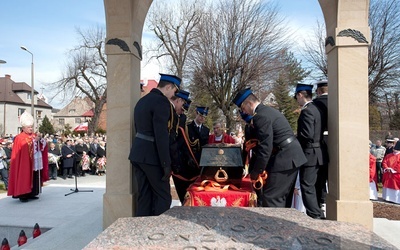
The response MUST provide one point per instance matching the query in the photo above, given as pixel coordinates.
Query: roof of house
(9, 90)
(76, 108)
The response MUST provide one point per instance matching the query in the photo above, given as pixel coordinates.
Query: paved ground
(75, 220)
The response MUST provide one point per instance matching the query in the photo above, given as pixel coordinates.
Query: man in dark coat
(197, 132)
(309, 134)
(178, 146)
(68, 156)
(321, 101)
(150, 153)
(278, 151)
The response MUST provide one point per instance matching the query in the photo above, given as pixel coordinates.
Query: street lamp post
(32, 84)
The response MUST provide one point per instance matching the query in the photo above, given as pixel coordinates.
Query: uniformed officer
(309, 134)
(179, 148)
(278, 151)
(197, 132)
(321, 101)
(150, 153)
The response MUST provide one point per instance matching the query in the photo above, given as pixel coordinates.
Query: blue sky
(48, 29)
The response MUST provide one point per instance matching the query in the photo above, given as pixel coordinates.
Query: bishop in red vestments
(29, 162)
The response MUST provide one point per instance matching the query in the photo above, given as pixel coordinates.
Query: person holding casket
(277, 151)
(150, 153)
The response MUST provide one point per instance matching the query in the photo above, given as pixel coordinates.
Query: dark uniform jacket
(309, 134)
(322, 104)
(271, 128)
(201, 135)
(151, 114)
(173, 142)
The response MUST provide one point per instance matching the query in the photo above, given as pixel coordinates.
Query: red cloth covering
(218, 196)
(225, 139)
(389, 179)
(21, 167)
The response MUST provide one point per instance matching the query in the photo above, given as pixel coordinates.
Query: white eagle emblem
(218, 202)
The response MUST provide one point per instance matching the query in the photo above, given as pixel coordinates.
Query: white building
(15, 98)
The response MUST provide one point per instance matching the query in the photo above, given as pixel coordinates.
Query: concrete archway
(347, 49)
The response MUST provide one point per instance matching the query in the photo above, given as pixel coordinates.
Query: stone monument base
(235, 228)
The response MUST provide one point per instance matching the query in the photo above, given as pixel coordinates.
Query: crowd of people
(29, 159)
(385, 169)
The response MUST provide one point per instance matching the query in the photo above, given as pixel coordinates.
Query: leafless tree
(174, 27)
(314, 53)
(384, 50)
(238, 42)
(85, 73)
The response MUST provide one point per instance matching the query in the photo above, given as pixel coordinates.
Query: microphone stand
(76, 190)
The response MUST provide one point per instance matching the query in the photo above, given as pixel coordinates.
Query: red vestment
(21, 165)
(391, 179)
(225, 139)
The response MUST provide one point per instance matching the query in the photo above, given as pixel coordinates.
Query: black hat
(172, 79)
(241, 96)
(322, 83)
(397, 146)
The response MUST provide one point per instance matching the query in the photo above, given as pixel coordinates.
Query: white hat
(26, 119)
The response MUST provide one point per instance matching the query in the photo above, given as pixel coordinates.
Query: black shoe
(33, 198)
(23, 199)
(64, 177)
(70, 177)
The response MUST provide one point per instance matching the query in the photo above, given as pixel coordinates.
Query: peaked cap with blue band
(171, 78)
(183, 94)
(241, 96)
(305, 87)
(202, 110)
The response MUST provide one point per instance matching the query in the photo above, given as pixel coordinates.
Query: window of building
(71, 111)
(38, 114)
(78, 120)
(61, 121)
(28, 96)
(20, 111)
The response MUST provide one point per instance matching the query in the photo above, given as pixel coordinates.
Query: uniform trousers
(154, 194)
(308, 178)
(320, 185)
(278, 191)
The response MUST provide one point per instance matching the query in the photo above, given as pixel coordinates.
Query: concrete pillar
(347, 50)
(124, 21)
